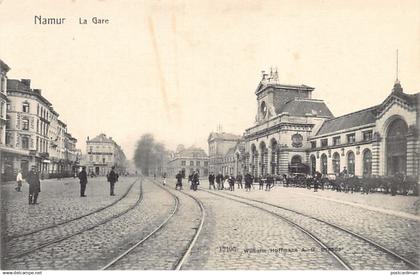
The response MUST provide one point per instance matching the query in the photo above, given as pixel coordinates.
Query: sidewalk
(400, 206)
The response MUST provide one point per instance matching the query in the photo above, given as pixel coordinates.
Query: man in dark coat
(83, 181)
(219, 181)
(248, 182)
(239, 181)
(211, 181)
(178, 180)
(34, 185)
(195, 180)
(112, 178)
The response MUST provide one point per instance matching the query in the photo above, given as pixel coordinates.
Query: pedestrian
(83, 181)
(19, 181)
(248, 182)
(112, 178)
(164, 179)
(34, 185)
(262, 180)
(231, 180)
(269, 182)
(196, 180)
(178, 180)
(190, 180)
(239, 181)
(211, 181)
(219, 181)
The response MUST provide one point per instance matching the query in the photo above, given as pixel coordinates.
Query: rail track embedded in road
(178, 264)
(57, 240)
(8, 238)
(335, 226)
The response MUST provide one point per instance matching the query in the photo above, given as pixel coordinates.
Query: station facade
(294, 133)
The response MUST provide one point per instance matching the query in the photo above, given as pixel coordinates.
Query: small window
(313, 144)
(367, 135)
(183, 163)
(206, 163)
(191, 163)
(336, 140)
(25, 142)
(198, 163)
(351, 138)
(324, 142)
(25, 124)
(25, 107)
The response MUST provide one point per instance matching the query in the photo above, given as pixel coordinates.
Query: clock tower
(273, 96)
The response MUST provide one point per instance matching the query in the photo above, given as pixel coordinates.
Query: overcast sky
(179, 68)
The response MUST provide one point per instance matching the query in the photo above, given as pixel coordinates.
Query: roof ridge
(355, 112)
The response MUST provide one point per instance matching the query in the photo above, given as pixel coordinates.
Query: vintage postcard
(209, 135)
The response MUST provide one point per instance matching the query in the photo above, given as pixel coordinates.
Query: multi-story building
(295, 133)
(34, 134)
(219, 145)
(380, 140)
(28, 125)
(187, 161)
(3, 101)
(102, 154)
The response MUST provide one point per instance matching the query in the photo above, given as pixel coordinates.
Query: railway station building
(294, 133)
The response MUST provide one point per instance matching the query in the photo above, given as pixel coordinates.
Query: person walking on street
(248, 182)
(178, 181)
(19, 181)
(239, 181)
(269, 183)
(34, 185)
(231, 180)
(196, 180)
(219, 181)
(83, 181)
(211, 181)
(112, 178)
(164, 180)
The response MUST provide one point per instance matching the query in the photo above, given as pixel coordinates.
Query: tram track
(177, 265)
(347, 263)
(11, 237)
(85, 229)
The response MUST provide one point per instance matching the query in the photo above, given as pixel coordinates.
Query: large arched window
(367, 162)
(324, 165)
(350, 163)
(396, 147)
(336, 163)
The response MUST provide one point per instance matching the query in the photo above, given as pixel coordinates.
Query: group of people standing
(230, 180)
(193, 180)
(34, 183)
(112, 178)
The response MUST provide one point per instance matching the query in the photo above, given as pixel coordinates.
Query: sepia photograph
(209, 135)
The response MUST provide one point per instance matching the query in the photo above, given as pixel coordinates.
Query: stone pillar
(284, 161)
(376, 154)
(269, 160)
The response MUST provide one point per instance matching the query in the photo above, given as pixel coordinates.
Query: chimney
(37, 91)
(26, 82)
(88, 138)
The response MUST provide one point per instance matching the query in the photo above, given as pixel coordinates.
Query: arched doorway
(313, 165)
(367, 162)
(324, 165)
(396, 147)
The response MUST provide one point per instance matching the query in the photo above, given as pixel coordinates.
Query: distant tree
(149, 154)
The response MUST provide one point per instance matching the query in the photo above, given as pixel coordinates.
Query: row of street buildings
(31, 132)
(295, 133)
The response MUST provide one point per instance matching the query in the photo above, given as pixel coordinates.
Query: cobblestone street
(237, 232)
